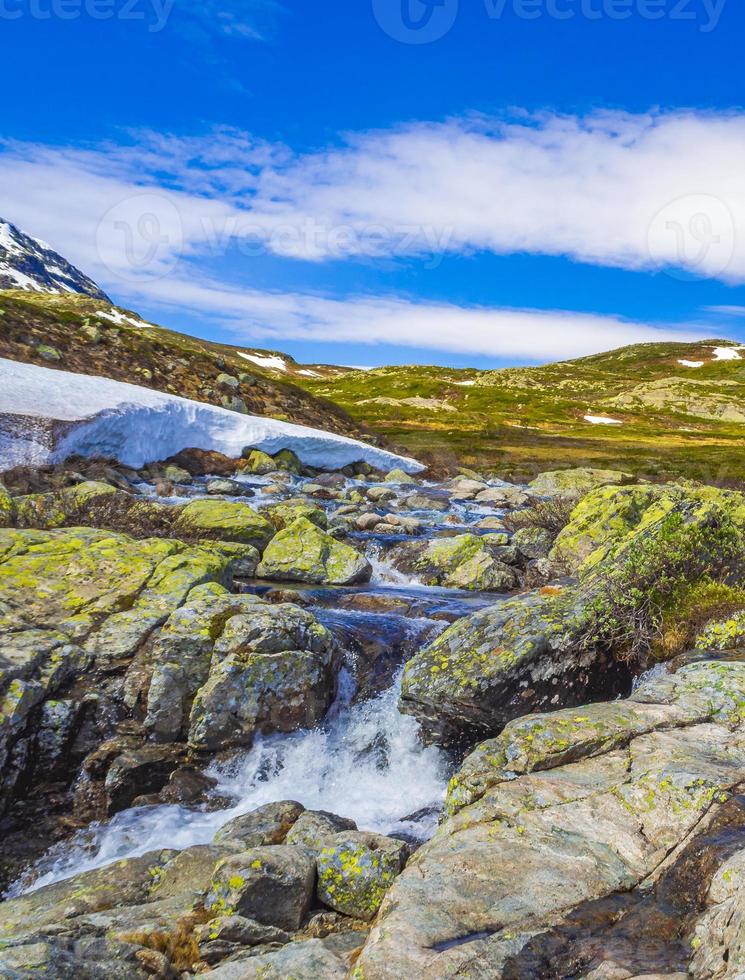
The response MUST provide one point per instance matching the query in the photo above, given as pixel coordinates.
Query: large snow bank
(47, 415)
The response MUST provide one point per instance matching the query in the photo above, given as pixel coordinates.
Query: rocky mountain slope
(658, 410)
(29, 264)
(85, 335)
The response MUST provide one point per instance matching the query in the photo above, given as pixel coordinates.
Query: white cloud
(737, 311)
(537, 335)
(139, 217)
(632, 191)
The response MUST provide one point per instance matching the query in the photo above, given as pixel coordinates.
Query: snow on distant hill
(27, 263)
(47, 415)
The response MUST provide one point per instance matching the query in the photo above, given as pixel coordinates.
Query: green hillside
(675, 420)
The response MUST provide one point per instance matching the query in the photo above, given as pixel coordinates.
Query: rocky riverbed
(264, 721)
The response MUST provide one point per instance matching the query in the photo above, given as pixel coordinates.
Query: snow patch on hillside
(117, 317)
(602, 420)
(271, 363)
(692, 364)
(727, 353)
(100, 417)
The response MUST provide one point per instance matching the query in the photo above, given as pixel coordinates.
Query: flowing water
(365, 761)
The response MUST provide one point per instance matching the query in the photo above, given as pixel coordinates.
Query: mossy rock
(60, 507)
(287, 460)
(723, 634)
(578, 481)
(273, 669)
(258, 462)
(302, 552)
(466, 561)
(7, 508)
(225, 520)
(609, 519)
(399, 476)
(356, 869)
(284, 514)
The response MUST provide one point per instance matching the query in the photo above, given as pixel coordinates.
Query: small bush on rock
(628, 609)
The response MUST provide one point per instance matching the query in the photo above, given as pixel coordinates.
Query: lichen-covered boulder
(224, 520)
(273, 885)
(611, 519)
(272, 670)
(331, 958)
(258, 462)
(243, 558)
(99, 595)
(356, 869)
(502, 662)
(466, 561)
(578, 481)
(303, 552)
(533, 542)
(226, 934)
(61, 507)
(122, 883)
(286, 513)
(182, 654)
(314, 828)
(583, 835)
(399, 476)
(638, 552)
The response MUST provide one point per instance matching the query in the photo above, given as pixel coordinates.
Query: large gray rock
(98, 597)
(315, 828)
(303, 552)
(556, 830)
(273, 670)
(269, 824)
(182, 654)
(330, 958)
(273, 885)
(501, 663)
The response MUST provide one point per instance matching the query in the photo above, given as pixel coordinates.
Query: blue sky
(322, 179)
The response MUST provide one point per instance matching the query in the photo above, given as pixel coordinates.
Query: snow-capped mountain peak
(27, 263)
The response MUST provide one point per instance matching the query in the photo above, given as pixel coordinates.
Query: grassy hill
(675, 419)
(672, 419)
(90, 336)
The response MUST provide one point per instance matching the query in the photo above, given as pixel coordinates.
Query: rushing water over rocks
(366, 761)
